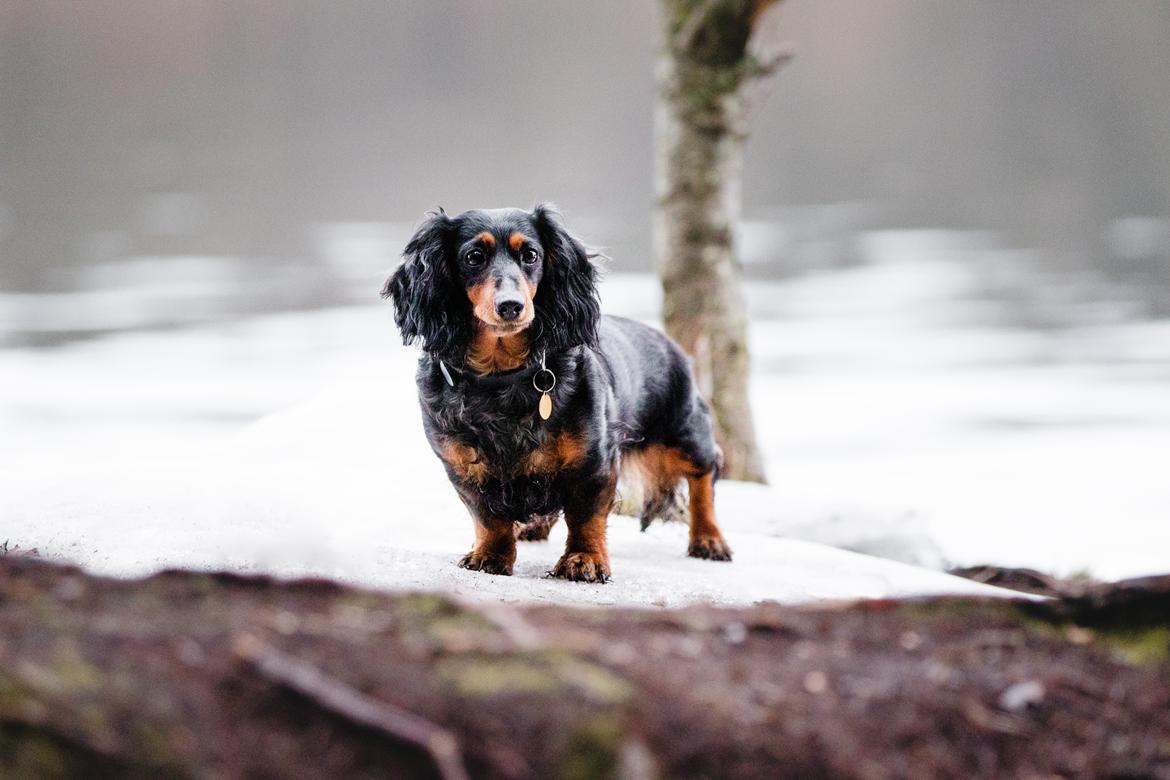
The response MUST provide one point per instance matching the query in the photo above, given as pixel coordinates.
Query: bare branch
(341, 699)
(767, 52)
(771, 60)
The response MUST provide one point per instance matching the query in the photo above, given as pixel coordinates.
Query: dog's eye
(528, 255)
(474, 257)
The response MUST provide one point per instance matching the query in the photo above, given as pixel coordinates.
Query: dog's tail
(648, 492)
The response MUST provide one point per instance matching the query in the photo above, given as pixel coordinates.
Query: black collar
(453, 375)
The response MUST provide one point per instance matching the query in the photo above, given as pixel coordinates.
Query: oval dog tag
(545, 405)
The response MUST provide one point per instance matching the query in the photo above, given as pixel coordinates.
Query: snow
(297, 519)
(895, 420)
(344, 486)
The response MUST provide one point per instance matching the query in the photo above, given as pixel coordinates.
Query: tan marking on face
(491, 352)
(465, 461)
(529, 312)
(483, 301)
(483, 297)
(483, 304)
(555, 455)
(516, 241)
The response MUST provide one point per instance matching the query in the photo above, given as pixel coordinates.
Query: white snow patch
(344, 486)
(890, 426)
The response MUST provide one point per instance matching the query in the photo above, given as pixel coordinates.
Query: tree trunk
(704, 72)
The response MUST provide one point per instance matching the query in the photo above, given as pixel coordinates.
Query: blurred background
(984, 185)
(240, 150)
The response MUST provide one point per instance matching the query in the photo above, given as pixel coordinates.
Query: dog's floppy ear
(567, 308)
(429, 307)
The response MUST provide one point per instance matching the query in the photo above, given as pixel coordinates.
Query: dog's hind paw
(487, 563)
(582, 567)
(711, 548)
(535, 530)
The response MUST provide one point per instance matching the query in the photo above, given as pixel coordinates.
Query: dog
(536, 403)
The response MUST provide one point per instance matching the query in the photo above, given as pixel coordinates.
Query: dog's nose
(509, 310)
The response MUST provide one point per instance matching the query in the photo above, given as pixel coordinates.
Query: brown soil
(210, 675)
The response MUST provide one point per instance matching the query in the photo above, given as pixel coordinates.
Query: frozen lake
(900, 413)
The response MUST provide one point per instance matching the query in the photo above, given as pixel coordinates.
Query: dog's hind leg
(660, 470)
(702, 461)
(706, 539)
(536, 529)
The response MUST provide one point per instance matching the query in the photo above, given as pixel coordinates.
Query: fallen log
(190, 674)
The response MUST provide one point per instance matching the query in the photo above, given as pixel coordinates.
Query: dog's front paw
(582, 567)
(487, 563)
(711, 548)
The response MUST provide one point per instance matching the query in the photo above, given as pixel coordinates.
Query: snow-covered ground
(895, 418)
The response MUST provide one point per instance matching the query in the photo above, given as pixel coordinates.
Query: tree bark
(704, 74)
(197, 675)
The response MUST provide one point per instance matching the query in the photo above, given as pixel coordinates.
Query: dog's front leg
(587, 507)
(495, 546)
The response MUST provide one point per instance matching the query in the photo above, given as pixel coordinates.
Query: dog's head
(504, 271)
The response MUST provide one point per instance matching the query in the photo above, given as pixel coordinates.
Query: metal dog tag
(547, 377)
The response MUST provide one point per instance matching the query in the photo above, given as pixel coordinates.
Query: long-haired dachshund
(535, 402)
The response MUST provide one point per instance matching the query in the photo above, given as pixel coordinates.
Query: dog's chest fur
(494, 443)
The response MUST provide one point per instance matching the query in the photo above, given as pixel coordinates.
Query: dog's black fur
(624, 394)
